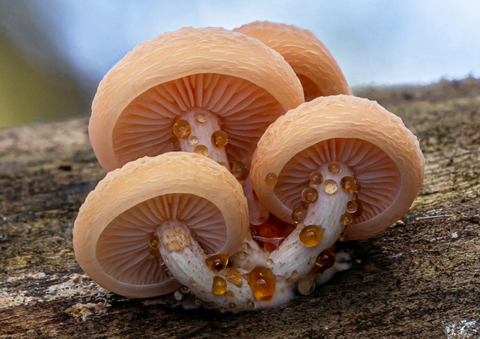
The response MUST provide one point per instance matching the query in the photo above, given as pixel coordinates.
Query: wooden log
(420, 279)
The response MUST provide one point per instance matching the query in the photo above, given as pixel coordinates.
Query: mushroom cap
(112, 231)
(383, 154)
(245, 83)
(316, 68)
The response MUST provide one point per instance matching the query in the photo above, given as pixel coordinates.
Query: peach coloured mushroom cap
(112, 231)
(383, 154)
(236, 77)
(316, 68)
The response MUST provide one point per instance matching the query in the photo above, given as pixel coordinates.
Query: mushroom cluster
(223, 184)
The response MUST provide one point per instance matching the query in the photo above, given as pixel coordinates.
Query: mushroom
(160, 216)
(316, 68)
(335, 164)
(205, 90)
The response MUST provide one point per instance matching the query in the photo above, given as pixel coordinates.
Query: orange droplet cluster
(181, 129)
(219, 285)
(330, 186)
(154, 245)
(271, 179)
(219, 138)
(240, 171)
(271, 234)
(348, 184)
(309, 195)
(201, 149)
(263, 283)
(217, 262)
(311, 235)
(316, 178)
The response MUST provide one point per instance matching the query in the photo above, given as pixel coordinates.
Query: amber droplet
(269, 262)
(234, 277)
(184, 289)
(290, 281)
(223, 310)
(316, 178)
(240, 171)
(169, 274)
(232, 307)
(242, 255)
(299, 214)
(325, 260)
(200, 117)
(198, 302)
(194, 235)
(181, 129)
(346, 219)
(154, 245)
(160, 260)
(348, 184)
(193, 140)
(334, 167)
(219, 286)
(359, 209)
(229, 295)
(357, 187)
(201, 149)
(309, 195)
(306, 286)
(352, 206)
(343, 237)
(271, 179)
(217, 262)
(262, 281)
(219, 138)
(294, 274)
(311, 235)
(250, 306)
(208, 305)
(330, 186)
(246, 246)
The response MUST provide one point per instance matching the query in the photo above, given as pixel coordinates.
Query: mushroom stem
(292, 254)
(202, 125)
(186, 261)
(257, 213)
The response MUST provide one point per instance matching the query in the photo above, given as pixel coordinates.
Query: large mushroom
(335, 164)
(206, 90)
(316, 68)
(160, 216)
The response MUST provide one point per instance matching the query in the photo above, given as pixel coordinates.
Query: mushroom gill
(123, 247)
(375, 172)
(244, 110)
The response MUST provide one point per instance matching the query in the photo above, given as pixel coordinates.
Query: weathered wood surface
(419, 279)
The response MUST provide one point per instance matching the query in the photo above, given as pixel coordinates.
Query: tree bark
(419, 279)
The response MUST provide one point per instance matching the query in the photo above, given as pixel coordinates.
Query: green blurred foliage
(29, 94)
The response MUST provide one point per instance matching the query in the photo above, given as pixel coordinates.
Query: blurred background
(53, 53)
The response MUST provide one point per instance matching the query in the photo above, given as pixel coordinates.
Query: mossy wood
(416, 280)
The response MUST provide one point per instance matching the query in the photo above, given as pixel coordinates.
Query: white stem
(292, 254)
(257, 214)
(203, 131)
(189, 268)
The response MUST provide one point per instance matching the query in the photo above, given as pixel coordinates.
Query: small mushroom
(335, 164)
(205, 90)
(159, 218)
(316, 68)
